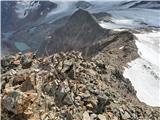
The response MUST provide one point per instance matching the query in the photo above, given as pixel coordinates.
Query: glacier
(144, 71)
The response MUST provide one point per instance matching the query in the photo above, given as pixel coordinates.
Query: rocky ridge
(66, 86)
(79, 33)
(83, 33)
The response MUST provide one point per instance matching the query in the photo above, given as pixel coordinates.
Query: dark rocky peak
(28, 12)
(79, 33)
(43, 9)
(102, 16)
(126, 3)
(46, 5)
(82, 18)
(83, 4)
(147, 4)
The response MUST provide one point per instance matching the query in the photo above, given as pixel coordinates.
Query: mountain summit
(80, 32)
(82, 18)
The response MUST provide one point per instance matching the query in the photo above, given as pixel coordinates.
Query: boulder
(26, 61)
(86, 116)
(83, 4)
(26, 86)
(16, 102)
(103, 100)
(101, 117)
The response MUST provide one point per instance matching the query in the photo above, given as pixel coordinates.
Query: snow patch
(123, 21)
(147, 87)
(147, 80)
(23, 7)
(109, 25)
(121, 47)
(147, 16)
(148, 47)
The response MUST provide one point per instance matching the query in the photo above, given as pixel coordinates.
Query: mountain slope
(147, 5)
(66, 86)
(80, 32)
(18, 14)
(141, 4)
(83, 33)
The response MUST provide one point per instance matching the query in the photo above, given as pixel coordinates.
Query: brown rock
(125, 116)
(18, 80)
(16, 102)
(86, 116)
(89, 106)
(26, 86)
(17, 62)
(101, 117)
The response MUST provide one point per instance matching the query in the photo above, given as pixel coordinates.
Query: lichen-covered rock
(16, 101)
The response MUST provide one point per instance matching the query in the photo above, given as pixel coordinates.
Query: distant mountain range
(82, 33)
(142, 4)
(32, 23)
(16, 14)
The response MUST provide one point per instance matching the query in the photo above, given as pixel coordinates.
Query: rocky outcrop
(83, 33)
(147, 5)
(83, 4)
(142, 4)
(68, 86)
(79, 33)
(102, 16)
(10, 16)
(43, 9)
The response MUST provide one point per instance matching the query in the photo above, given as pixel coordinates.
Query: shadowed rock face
(8, 15)
(149, 4)
(83, 33)
(142, 4)
(10, 19)
(42, 10)
(83, 4)
(80, 32)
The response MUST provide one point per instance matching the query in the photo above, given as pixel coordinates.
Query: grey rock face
(83, 4)
(103, 100)
(79, 33)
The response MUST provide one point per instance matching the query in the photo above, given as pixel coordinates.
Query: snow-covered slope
(141, 15)
(36, 10)
(135, 18)
(23, 7)
(150, 4)
(146, 4)
(144, 71)
(143, 79)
